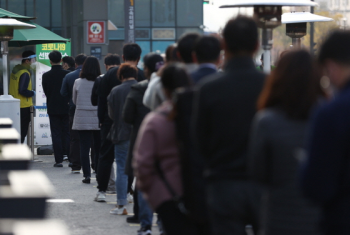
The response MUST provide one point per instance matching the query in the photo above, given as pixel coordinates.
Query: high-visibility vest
(14, 88)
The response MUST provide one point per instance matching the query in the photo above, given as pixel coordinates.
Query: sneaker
(111, 192)
(100, 197)
(58, 165)
(130, 198)
(65, 158)
(70, 164)
(119, 210)
(133, 220)
(75, 171)
(145, 231)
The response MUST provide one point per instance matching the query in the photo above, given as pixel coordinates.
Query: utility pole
(312, 32)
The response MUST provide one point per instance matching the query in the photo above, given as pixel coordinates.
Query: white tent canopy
(303, 17)
(252, 3)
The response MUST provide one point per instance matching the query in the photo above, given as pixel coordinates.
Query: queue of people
(216, 146)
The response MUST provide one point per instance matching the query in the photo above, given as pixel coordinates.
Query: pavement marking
(60, 200)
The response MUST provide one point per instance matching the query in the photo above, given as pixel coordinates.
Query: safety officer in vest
(21, 88)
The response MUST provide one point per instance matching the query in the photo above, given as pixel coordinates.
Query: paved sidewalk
(83, 216)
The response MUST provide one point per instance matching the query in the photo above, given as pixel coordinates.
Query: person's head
(169, 54)
(80, 59)
(152, 62)
(334, 57)
(185, 47)
(91, 69)
(68, 62)
(207, 50)
(111, 60)
(55, 57)
(126, 72)
(293, 87)
(131, 53)
(28, 57)
(174, 76)
(240, 37)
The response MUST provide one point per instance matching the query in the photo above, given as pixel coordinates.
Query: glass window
(161, 46)
(16, 6)
(189, 13)
(56, 13)
(29, 7)
(146, 48)
(143, 13)
(163, 13)
(42, 9)
(182, 31)
(116, 12)
(3, 4)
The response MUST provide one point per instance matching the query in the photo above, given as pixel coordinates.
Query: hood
(19, 67)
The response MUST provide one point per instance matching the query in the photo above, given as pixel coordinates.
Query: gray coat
(276, 146)
(85, 117)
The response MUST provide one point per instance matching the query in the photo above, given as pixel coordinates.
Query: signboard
(129, 9)
(96, 32)
(42, 133)
(96, 51)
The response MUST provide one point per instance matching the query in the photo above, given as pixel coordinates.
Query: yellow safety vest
(14, 88)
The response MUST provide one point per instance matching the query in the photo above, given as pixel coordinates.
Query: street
(78, 210)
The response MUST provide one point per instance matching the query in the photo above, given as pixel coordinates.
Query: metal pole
(312, 32)
(267, 45)
(5, 51)
(32, 130)
(296, 43)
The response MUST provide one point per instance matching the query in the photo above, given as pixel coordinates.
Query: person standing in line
(111, 61)
(131, 55)
(185, 49)
(68, 63)
(66, 91)
(207, 54)
(21, 88)
(133, 113)
(85, 117)
(326, 174)
(224, 107)
(120, 132)
(277, 140)
(57, 107)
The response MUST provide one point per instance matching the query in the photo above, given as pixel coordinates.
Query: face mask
(33, 66)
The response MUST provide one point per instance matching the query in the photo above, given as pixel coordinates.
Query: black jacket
(202, 72)
(224, 109)
(108, 81)
(134, 112)
(94, 92)
(52, 82)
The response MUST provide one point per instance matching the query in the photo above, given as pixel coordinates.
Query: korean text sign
(96, 32)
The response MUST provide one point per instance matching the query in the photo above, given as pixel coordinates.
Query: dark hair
(185, 46)
(293, 87)
(91, 68)
(153, 62)
(55, 57)
(26, 54)
(175, 76)
(169, 53)
(112, 59)
(336, 48)
(132, 52)
(241, 35)
(69, 60)
(207, 49)
(80, 59)
(127, 71)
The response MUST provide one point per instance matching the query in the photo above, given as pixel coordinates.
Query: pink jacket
(157, 140)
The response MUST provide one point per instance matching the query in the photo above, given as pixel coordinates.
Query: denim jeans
(121, 183)
(145, 212)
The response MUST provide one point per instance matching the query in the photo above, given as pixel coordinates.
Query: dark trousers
(174, 222)
(106, 158)
(59, 125)
(25, 120)
(232, 205)
(74, 148)
(85, 144)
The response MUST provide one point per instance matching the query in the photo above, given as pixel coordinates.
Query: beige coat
(85, 117)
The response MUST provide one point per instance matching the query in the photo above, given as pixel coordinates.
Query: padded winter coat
(85, 117)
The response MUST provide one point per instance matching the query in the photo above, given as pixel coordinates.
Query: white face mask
(33, 66)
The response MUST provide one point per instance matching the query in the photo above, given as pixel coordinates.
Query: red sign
(96, 32)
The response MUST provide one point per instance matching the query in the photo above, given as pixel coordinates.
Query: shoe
(75, 171)
(133, 220)
(111, 192)
(130, 198)
(145, 231)
(65, 158)
(119, 210)
(86, 180)
(100, 197)
(70, 164)
(58, 165)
